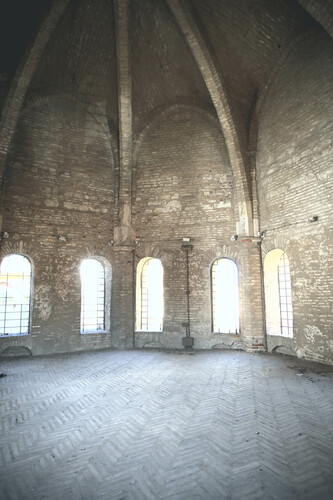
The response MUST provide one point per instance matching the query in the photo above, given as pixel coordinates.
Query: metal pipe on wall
(187, 340)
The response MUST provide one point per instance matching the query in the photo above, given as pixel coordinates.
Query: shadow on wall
(282, 349)
(15, 351)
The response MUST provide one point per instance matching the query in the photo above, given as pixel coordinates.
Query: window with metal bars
(15, 295)
(225, 296)
(150, 309)
(92, 296)
(286, 307)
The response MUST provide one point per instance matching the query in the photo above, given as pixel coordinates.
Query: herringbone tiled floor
(161, 425)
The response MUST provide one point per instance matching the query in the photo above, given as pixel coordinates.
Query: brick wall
(295, 182)
(59, 182)
(184, 188)
(62, 174)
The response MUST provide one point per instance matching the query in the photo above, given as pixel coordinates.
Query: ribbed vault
(219, 54)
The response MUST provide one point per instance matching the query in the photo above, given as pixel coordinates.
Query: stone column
(123, 232)
(122, 302)
(251, 296)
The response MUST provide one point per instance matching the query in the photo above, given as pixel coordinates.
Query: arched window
(93, 303)
(15, 295)
(279, 309)
(225, 296)
(149, 295)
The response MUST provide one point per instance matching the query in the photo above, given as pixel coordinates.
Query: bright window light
(225, 296)
(15, 290)
(92, 296)
(278, 300)
(150, 310)
(286, 307)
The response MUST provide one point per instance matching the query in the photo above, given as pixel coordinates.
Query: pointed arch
(23, 77)
(217, 90)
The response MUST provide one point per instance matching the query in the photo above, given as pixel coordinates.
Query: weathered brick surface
(81, 56)
(121, 133)
(295, 182)
(185, 188)
(246, 38)
(59, 182)
(163, 69)
(183, 180)
(122, 310)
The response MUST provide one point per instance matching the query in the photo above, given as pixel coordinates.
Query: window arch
(15, 295)
(95, 295)
(225, 296)
(149, 295)
(278, 300)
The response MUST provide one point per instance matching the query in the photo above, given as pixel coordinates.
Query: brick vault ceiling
(244, 38)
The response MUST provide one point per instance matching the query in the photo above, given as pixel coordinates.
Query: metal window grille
(215, 326)
(15, 291)
(225, 296)
(92, 296)
(286, 308)
(144, 298)
(152, 295)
